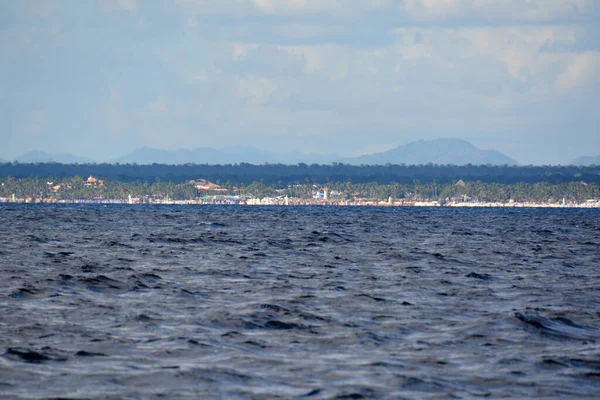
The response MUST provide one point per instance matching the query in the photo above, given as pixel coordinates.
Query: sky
(101, 78)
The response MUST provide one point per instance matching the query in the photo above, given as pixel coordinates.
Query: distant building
(202, 185)
(322, 193)
(91, 181)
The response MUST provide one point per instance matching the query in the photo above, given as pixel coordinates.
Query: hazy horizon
(100, 79)
(368, 150)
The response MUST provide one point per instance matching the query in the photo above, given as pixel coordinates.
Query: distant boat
(130, 200)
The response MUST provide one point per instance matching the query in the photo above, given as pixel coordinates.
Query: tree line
(77, 187)
(272, 174)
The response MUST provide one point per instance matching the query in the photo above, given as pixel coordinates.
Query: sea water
(102, 302)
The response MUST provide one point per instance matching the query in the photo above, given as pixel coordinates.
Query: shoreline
(291, 202)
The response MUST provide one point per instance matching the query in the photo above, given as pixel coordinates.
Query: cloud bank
(100, 78)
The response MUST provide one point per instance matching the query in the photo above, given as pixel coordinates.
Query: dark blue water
(297, 302)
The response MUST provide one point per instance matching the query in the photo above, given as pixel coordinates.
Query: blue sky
(102, 78)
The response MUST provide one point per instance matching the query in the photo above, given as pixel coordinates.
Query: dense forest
(283, 175)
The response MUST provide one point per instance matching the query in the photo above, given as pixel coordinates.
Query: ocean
(235, 302)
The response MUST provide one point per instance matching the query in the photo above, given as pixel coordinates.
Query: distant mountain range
(439, 151)
(587, 160)
(40, 156)
(229, 155)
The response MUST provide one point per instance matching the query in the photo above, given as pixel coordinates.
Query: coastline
(594, 203)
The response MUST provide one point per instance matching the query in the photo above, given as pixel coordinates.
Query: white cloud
(336, 8)
(581, 70)
(240, 49)
(296, 6)
(200, 77)
(158, 107)
(432, 8)
(117, 5)
(312, 55)
(234, 8)
(474, 51)
(496, 10)
(361, 72)
(256, 90)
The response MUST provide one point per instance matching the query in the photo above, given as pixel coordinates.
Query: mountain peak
(587, 160)
(436, 151)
